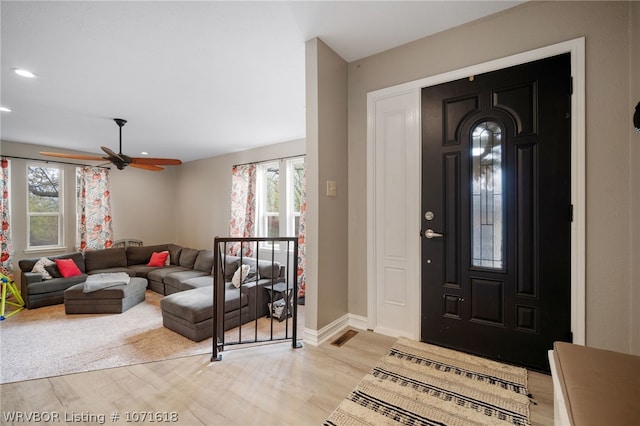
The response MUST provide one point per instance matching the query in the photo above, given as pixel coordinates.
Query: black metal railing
(263, 307)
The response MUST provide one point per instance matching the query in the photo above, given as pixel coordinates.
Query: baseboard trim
(318, 337)
(358, 321)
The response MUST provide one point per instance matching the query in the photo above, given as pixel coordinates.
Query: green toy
(9, 288)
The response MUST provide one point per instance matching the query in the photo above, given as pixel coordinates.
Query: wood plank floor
(267, 385)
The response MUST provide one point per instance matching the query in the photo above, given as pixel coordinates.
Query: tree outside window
(279, 194)
(44, 206)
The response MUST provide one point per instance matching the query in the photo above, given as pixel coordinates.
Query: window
(279, 192)
(44, 206)
(487, 196)
(295, 186)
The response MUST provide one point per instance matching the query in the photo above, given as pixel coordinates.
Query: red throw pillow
(158, 259)
(68, 268)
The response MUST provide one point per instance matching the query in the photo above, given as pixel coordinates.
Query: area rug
(420, 384)
(46, 342)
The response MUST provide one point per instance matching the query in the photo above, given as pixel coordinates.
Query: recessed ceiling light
(5, 109)
(23, 73)
(144, 153)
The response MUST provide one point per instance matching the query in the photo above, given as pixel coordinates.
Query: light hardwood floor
(267, 385)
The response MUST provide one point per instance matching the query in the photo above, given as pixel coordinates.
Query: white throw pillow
(40, 265)
(236, 280)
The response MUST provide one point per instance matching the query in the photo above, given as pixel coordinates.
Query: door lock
(429, 233)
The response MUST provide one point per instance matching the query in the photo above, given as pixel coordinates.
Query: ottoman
(190, 312)
(111, 300)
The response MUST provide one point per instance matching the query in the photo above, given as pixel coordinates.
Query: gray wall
(142, 202)
(327, 154)
(203, 192)
(187, 205)
(612, 190)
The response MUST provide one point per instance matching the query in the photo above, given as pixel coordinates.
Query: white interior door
(394, 200)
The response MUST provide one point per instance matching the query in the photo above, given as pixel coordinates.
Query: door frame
(576, 48)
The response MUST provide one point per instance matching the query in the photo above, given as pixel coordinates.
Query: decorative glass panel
(487, 233)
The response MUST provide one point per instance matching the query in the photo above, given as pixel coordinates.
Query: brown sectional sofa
(188, 270)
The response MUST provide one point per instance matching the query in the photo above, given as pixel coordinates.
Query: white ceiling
(193, 79)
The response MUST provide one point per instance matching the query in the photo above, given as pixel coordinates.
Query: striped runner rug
(420, 384)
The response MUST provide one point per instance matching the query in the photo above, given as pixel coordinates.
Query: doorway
(496, 204)
(393, 116)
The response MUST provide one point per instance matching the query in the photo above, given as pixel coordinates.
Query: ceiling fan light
(23, 72)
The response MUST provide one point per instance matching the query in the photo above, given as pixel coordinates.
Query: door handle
(429, 233)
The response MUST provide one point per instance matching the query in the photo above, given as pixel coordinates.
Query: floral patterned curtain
(243, 207)
(302, 281)
(94, 230)
(6, 258)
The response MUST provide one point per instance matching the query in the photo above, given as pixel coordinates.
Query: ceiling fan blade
(147, 167)
(111, 153)
(73, 156)
(162, 161)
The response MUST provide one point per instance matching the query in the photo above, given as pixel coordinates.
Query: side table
(280, 300)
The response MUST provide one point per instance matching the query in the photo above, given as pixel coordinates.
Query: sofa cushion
(237, 279)
(231, 265)
(158, 259)
(158, 274)
(106, 258)
(53, 270)
(175, 278)
(141, 270)
(127, 270)
(204, 261)
(197, 305)
(196, 282)
(140, 255)
(55, 284)
(266, 269)
(26, 265)
(188, 257)
(41, 267)
(174, 254)
(68, 268)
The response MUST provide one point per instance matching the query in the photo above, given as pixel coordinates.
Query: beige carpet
(420, 384)
(46, 342)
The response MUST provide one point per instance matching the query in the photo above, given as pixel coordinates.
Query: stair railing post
(216, 298)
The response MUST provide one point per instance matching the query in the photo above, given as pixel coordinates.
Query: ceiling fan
(120, 160)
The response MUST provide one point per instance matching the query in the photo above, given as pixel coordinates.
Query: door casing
(411, 92)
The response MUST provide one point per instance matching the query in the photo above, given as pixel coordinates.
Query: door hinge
(571, 212)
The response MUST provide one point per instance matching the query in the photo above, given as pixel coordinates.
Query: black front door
(496, 212)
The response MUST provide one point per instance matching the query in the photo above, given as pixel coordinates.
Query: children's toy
(9, 288)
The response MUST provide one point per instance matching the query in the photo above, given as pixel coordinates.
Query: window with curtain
(269, 200)
(243, 211)
(44, 206)
(94, 227)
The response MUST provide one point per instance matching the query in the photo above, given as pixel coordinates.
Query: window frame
(59, 214)
(291, 212)
(286, 204)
